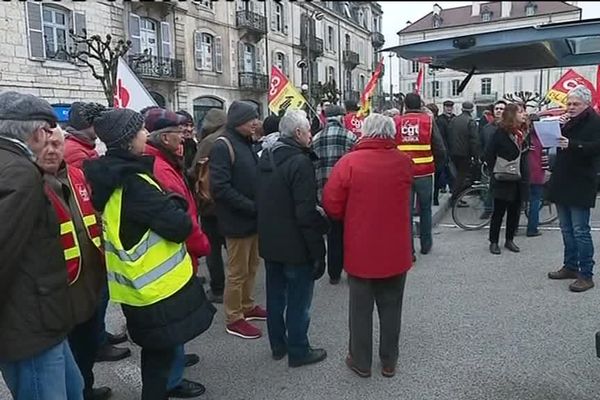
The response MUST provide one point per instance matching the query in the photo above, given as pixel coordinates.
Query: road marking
(541, 228)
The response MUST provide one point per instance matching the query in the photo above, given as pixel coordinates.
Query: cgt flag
(419, 81)
(282, 94)
(130, 93)
(365, 98)
(569, 80)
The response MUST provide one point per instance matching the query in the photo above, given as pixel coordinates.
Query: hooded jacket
(290, 229)
(78, 148)
(181, 317)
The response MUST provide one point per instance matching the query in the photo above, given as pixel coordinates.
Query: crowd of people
(306, 197)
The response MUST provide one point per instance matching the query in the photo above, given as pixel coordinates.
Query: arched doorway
(202, 105)
(159, 99)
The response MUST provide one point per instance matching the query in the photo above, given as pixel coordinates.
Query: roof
(459, 16)
(563, 44)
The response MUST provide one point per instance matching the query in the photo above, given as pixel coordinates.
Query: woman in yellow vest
(148, 268)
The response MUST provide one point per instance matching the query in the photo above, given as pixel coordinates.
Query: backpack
(202, 193)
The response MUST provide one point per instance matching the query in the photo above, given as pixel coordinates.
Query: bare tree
(529, 99)
(101, 55)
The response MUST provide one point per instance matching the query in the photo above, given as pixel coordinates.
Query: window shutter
(34, 27)
(273, 16)
(284, 19)
(134, 34)
(241, 62)
(165, 37)
(285, 65)
(259, 54)
(198, 50)
(218, 54)
(79, 29)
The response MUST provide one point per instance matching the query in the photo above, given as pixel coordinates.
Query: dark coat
(501, 145)
(233, 186)
(290, 229)
(35, 308)
(184, 315)
(574, 175)
(463, 138)
(443, 122)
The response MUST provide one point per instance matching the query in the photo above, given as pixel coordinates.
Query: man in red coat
(165, 144)
(369, 190)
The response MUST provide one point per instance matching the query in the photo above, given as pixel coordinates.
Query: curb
(438, 213)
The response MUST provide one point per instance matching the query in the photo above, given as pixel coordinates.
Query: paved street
(475, 327)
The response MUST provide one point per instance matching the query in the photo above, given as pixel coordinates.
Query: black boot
(312, 357)
(510, 245)
(116, 339)
(108, 352)
(187, 390)
(495, 249)
(191, 359)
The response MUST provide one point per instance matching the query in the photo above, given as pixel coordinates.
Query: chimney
(506, 9)
(437, 9)
(475, 8)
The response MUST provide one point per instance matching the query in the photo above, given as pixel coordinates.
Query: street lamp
(316, 15)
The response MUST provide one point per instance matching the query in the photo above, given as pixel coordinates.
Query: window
(414, 67)
(150, 37)
(56, 26)
(530, 10)
(249, 57)
(518, 83)
(281, 62)
(330, 74)
(486, 16)
(348, 80)
(486, 86)
(362, 83)
(278, 17)
(435, 89)
(455, 85)
(330, 38)
(208, 52)
(375, 25)
(347, 42)
(205, 4)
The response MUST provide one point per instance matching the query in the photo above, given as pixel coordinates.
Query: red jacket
(77, 150)
(171, 179)
(369, 189)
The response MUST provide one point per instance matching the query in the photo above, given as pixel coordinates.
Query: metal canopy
(545, 46)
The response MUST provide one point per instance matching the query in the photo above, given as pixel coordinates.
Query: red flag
(597, 102)
(419, 82)
(365, 98)
(569, 80)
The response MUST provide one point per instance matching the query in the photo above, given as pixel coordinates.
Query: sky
(397, 13)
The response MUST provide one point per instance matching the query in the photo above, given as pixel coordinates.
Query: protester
(573, 186)
(36, 312)
(150, 273)
(80, 145)
(443, 122)
(81, 241)
(434, 110)
(537, 178)
(290, 232)
(165, 139)
(487, 132)
(271, 132)
(213, 126)
(232, 182)
(330, 145)
(190, 144)
(463, 146)
(369, 190)
(487, 117)
(508, 144)
(418, 137)
(392, 112)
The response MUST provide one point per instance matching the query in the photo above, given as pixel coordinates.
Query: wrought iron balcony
(350, 59)
(252, 22)
(253, 82)
(153, 67)
(316, 45)
(377, 39)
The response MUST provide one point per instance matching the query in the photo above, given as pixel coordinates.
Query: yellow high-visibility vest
(152, 270)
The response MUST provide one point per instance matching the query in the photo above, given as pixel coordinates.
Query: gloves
(318, 269)
(179, 200)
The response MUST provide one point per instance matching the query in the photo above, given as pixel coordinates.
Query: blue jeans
(535, 202)
(423, 190)
(52, 374)
(176, 375)
(577, 239)
(289, 291)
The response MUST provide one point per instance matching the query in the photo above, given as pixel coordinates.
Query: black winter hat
(80, 112)
(271, 124)
(239, 113)
(117, 126)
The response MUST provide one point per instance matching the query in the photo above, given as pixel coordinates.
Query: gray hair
(581, 92)
(292, 120)
(392, 112)
(20, 130)
(379, 126)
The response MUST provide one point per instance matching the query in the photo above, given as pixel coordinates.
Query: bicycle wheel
(548, 213)
(470, 211)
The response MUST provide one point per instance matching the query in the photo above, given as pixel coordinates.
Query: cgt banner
(282, 94)
(569, 80)
(130, 92)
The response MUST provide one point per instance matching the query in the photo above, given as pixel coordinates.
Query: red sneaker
(256, 314)
(243, 329)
